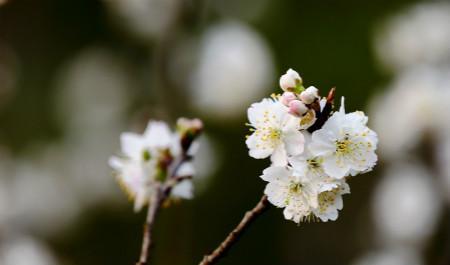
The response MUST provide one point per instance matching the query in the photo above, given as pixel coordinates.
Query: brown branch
(162, 192)
(233, 237)
(153, 208)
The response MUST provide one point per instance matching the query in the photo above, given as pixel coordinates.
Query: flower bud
(193, 125)
(290, 80)
(297, 108)
(287, 97)
(309, 95)
(189, 130)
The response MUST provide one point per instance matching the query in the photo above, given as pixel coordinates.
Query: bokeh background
(75, 74)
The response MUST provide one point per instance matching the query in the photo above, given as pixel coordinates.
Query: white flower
(136, 178)
(346, 144)
(276, 132)
(143, 162)
(304, 190)
(290, 80)
(288, 190)
(330, 202)
(329, 190)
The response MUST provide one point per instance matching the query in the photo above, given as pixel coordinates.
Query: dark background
(329, 42)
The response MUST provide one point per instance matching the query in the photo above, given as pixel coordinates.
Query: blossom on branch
(312, 149)
(156, 157)
(275, 132)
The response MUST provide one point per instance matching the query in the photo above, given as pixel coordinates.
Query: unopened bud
(189, 130)
(192, 125)
(297, 108)
(290, 80)
(309, 95)
(287, 97)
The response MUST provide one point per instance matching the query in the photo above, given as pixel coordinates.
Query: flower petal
(279, 156)
(255, 149)
(335, 168)
(294, 142)
(132, 145)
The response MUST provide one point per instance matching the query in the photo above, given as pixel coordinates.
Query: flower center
(343, 146)
(326, 199)
(270, 135)
(295, 187)
(146, 155)
(314, 163)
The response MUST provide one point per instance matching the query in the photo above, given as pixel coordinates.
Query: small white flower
(140, 167)
(311, 168)
(276, 132)
(309, 95)
(346, 144)
(290, 80)
(329, 190)
(290, 191)
(330, 202)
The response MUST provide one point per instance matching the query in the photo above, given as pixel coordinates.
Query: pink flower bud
(287, 97)
(290, 80)
(297, 108)
(309, 95)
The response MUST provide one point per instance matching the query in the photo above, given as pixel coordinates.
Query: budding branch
(232, 238)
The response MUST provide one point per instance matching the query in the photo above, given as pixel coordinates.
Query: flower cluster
(313, 149)
(157, 157)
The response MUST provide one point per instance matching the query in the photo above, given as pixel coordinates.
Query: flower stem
(162, 192)
(154, 206)
(233, 237)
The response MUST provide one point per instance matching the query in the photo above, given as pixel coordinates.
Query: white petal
(183, 190)
(116, 163)
(322, 143)
(256, 151)
(158, 134)
(279, 156)
(294, 142)
(339, 203)
(342, 108)
(276, 174)
(256, 111)
(141, 199)
(299, 164)
(330, 215)
(289, 214)
(276, 194)
(186, 169)
(193, 149)
(335, 168)
(132, 145)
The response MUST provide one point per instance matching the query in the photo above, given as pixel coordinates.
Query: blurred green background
(47, 104)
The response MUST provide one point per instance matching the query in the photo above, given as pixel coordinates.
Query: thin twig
(153, 208)
(162, 192)
(232, 238)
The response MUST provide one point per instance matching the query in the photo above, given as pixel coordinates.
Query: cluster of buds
(298, 99)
